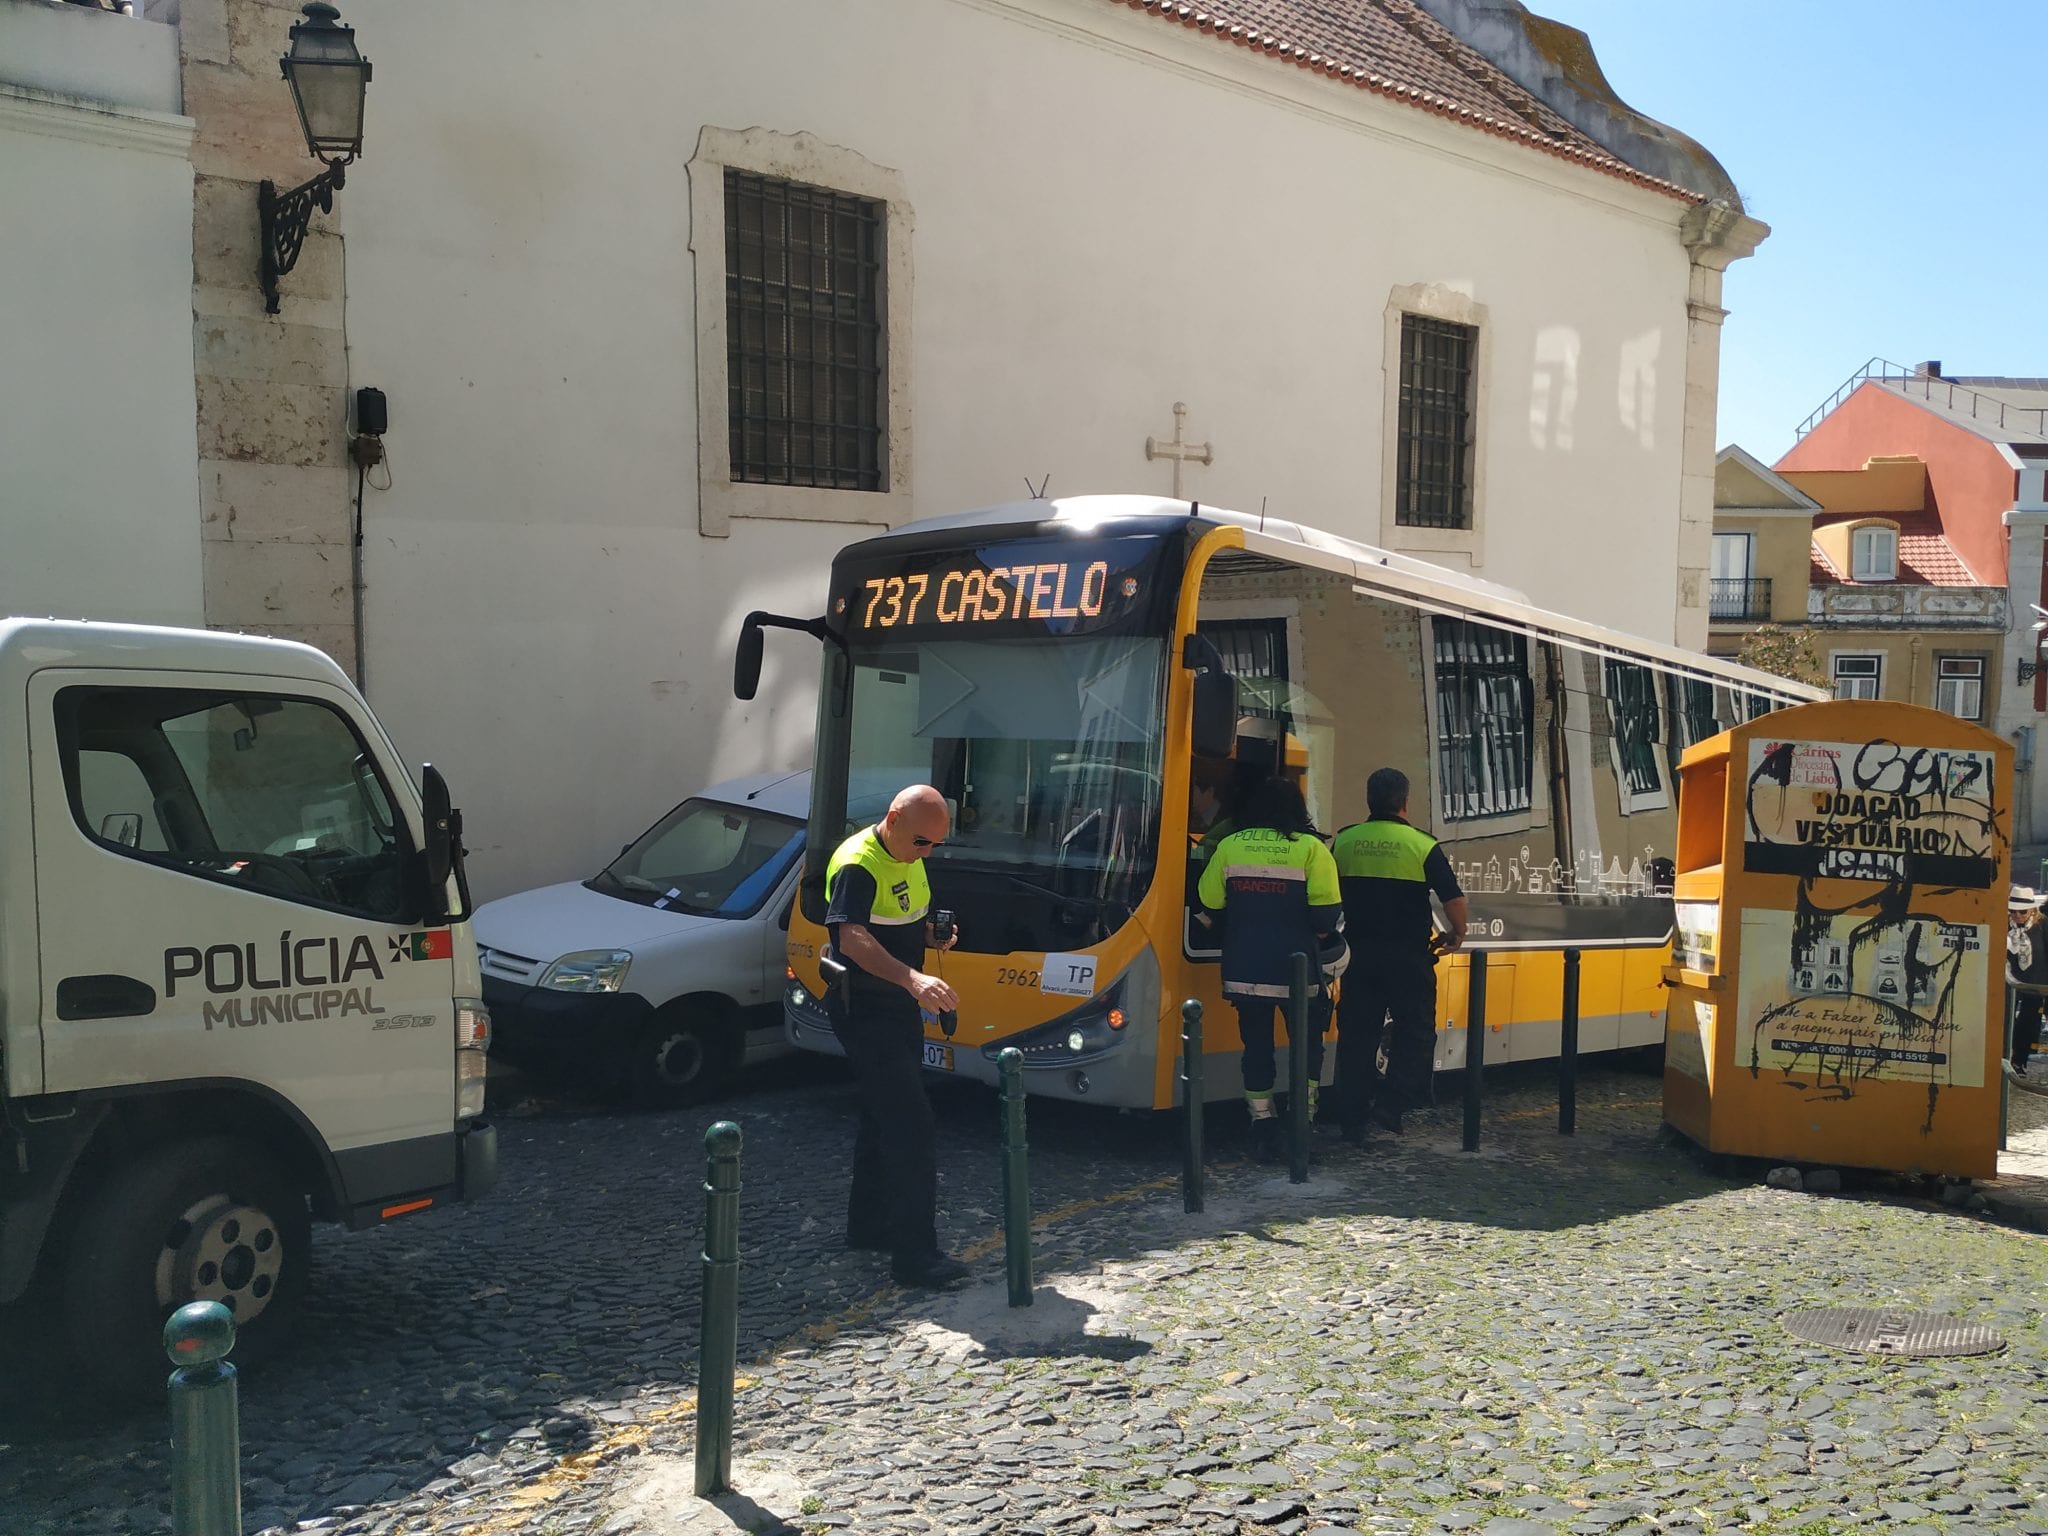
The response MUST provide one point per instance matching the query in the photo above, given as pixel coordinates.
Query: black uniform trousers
(894, 1201)
(1255, 1017)
(1378, 988)
(2026, 1026)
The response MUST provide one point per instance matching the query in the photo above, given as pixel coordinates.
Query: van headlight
(588, 970)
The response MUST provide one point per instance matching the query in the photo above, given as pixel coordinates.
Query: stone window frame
(1434, 301)
(804, 158)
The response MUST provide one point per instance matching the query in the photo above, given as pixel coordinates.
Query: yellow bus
(1077, 675)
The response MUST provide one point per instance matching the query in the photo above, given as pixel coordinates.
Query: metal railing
(1988, 409)
(1740, 598)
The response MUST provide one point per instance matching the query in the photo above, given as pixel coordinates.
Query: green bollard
(1475, 1046)
(1298, 1027)
(1191, 1105)
(1568, 1050)
(1016, 1179)
(719, 1325)
(206, 1433)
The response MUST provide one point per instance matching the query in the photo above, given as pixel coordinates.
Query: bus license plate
(938, 1057)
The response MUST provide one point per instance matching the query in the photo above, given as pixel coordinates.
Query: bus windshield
(1049, 753)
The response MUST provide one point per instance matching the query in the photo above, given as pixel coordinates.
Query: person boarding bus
(1275, 885)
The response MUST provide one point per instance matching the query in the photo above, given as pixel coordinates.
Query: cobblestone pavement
(1553, 1335)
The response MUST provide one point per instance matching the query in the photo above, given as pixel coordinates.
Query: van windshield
(705, 857)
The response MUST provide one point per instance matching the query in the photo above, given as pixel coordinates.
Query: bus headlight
(589, 970)
(795, 993)
(1086, 1033)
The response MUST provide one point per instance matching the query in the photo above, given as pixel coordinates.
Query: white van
(662, 974)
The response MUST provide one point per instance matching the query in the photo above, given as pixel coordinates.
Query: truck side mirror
(441, 850)
(746, 659)
(1215, 723)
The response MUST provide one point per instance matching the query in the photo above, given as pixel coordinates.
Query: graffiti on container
(1871, 985)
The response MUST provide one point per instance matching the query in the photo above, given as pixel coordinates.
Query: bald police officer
(1387, 871)
(878, 906)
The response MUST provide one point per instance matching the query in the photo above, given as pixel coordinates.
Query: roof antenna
(1262, 514)
(1039, 493)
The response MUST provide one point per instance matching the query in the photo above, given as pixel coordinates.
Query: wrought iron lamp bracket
(283, 219)
(2029, 668)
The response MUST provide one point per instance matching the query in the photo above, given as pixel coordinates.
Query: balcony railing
(1749, 598)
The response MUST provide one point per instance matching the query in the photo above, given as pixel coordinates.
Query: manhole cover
(1878, 1331)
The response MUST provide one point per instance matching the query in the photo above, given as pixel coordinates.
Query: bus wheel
(683, 1055)
(206, 1220)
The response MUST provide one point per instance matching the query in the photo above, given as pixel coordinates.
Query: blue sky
(1895, 149)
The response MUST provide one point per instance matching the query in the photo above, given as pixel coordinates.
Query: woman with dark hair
(1275, 886)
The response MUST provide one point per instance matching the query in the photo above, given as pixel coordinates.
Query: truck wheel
(204, 1220)
(682, 1056)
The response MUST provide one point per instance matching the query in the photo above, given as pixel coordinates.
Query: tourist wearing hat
(2026, 963)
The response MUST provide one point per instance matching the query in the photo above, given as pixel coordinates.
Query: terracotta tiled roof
(1395, 49)
(1925, 556)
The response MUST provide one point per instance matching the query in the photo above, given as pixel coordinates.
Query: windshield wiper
(1099, 904)
(638, 889)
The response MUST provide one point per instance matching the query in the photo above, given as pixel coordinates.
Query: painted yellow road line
(520, 1503)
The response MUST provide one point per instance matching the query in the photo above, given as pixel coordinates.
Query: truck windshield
(705, 857)
(1048, 752)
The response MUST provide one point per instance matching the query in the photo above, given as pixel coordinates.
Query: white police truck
(238, 990)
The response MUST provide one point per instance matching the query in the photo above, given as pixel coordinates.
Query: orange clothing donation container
(1837, 995)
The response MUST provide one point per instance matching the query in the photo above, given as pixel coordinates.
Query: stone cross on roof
(1179, 451)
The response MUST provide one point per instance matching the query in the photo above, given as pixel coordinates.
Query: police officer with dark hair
(1388, 870)
(1276, 886)
(878, 905)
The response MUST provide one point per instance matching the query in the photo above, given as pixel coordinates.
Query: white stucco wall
(99, 496)
(1102, 226)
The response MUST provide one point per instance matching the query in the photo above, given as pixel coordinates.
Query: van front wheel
(683, 1055)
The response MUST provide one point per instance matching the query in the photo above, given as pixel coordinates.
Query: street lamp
(328, 78)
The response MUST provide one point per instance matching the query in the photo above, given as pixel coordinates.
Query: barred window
(1632, 706)
(1433, 476)
(803, 311)
(1692, 713)
(1485, 719)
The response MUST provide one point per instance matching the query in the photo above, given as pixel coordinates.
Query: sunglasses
(927, 842)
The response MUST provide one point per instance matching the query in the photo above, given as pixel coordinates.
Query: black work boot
(934, 1271)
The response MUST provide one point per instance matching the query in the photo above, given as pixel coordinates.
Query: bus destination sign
(1039, 587)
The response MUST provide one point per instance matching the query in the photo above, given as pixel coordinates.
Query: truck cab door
(222, 889)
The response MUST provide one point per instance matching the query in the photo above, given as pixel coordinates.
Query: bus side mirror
(1215, 724)
(746, 659)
